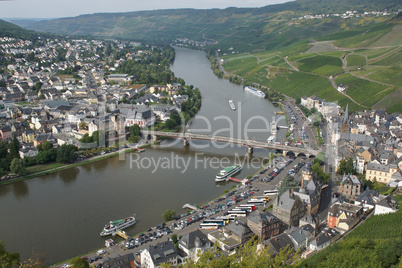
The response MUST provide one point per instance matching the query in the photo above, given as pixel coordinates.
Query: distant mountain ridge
(198, 24)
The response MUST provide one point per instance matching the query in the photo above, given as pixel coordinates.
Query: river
(60, 215)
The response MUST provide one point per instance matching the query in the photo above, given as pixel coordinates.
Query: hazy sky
(69, 8)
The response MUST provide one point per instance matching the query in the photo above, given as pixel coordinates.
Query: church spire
(346, 114)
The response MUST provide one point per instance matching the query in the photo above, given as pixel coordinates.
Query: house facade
(193, 244)
(265, 225)
(344, 215)
(351, 186)
(289, 208)
(380, 172)
(161, 253)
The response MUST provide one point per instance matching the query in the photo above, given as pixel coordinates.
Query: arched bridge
(243, 142)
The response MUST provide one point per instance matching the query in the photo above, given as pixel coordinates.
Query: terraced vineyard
(367, 60)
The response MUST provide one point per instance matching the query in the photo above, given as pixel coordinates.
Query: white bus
(209, 226)
(247, 206)
(270, 192)
(257, 202)
(237, 213)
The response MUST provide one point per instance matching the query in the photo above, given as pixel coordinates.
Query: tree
(168, 215)
(325, 178)
(288, 182)
(66, 154)
(133, 139)
(14, 148)
(95, 136)
(135, 130)
(170, 124)
(18, 166)
(248, 255)
(3, 149)
(176, 117)
(46, 145)
(346, 167)
(7, 259)
(86, 138)
(38, 86)
(77, 262)
(82, 125)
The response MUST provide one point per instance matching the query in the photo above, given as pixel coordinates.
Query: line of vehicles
(151, 234)
(278, 166)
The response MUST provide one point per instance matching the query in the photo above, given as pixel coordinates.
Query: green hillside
(265, 27)
(8, 29)
(367, 59)
(375, 243)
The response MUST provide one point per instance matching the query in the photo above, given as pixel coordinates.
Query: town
(58, 93)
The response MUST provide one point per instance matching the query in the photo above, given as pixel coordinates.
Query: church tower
(307, 175)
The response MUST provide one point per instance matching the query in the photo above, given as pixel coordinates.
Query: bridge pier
(284, 152)
(154, 138)
(250, 150)
(185, 142)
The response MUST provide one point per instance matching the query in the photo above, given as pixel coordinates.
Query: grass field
(324, 65)
(394, 59)
(391, 75)
(241, 65)
(392, 102)
(363, 91)
(396, 108)
(297, 84)
(392, 38)
(356, 60)
(301, 56)
(39, 168)
(373, 53)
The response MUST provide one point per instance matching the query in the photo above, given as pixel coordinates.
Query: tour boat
(224, 174)
(255, 91)
(113, 226)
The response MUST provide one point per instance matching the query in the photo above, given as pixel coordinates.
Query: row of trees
(10, 159)
(90, 139)
(150, 69)
(134, 133)
(8, 152)
(214, 64)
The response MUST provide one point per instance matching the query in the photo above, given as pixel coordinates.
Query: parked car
(100, 252)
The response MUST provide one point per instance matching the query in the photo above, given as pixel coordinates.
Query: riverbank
(76, 164)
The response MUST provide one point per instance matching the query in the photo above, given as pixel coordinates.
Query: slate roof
(193, 239)
(119, 261)
(239, 228)
(279, 242)
(265, 218)
(366, 197)
(325, 236)
(285, 201)
(388, 202)
(162, 252)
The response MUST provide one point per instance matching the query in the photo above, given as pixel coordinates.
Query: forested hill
(216, 24)
(8, 29)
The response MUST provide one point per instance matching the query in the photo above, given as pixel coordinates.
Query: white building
(161, 253)
(386, 205)
(194, 243)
